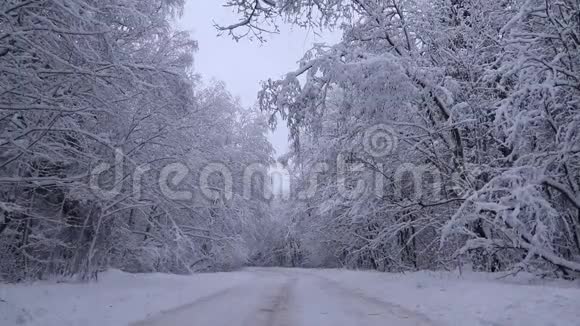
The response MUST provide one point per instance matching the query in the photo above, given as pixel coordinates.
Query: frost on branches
(434, 134)
(484, 95)
(83, 83)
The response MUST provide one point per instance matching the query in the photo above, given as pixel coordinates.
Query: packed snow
(294, 296)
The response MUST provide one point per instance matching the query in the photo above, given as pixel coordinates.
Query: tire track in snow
(276, 312)
(153, 320)
(261, 301)
(414, 317)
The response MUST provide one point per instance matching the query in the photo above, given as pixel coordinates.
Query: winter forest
(435, 135)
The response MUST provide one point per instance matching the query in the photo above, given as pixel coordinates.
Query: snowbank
(472, 299)
(117, 299)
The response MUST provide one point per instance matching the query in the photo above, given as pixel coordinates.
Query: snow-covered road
(287, 298)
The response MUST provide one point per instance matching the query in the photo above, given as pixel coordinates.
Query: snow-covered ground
(294, 297)
(473, 298)
(117, 299)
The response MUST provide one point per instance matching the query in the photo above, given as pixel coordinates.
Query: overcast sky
(242, 65)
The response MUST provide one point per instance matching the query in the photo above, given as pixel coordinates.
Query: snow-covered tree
(483, 95)
(98, 105)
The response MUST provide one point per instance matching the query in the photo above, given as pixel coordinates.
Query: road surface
(276, 297)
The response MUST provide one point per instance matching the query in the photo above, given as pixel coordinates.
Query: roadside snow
(117, 299)
(474, 299)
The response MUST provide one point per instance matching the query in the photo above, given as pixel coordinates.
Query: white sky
(242, 65)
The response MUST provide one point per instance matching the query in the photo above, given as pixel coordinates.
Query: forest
(436, 135)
